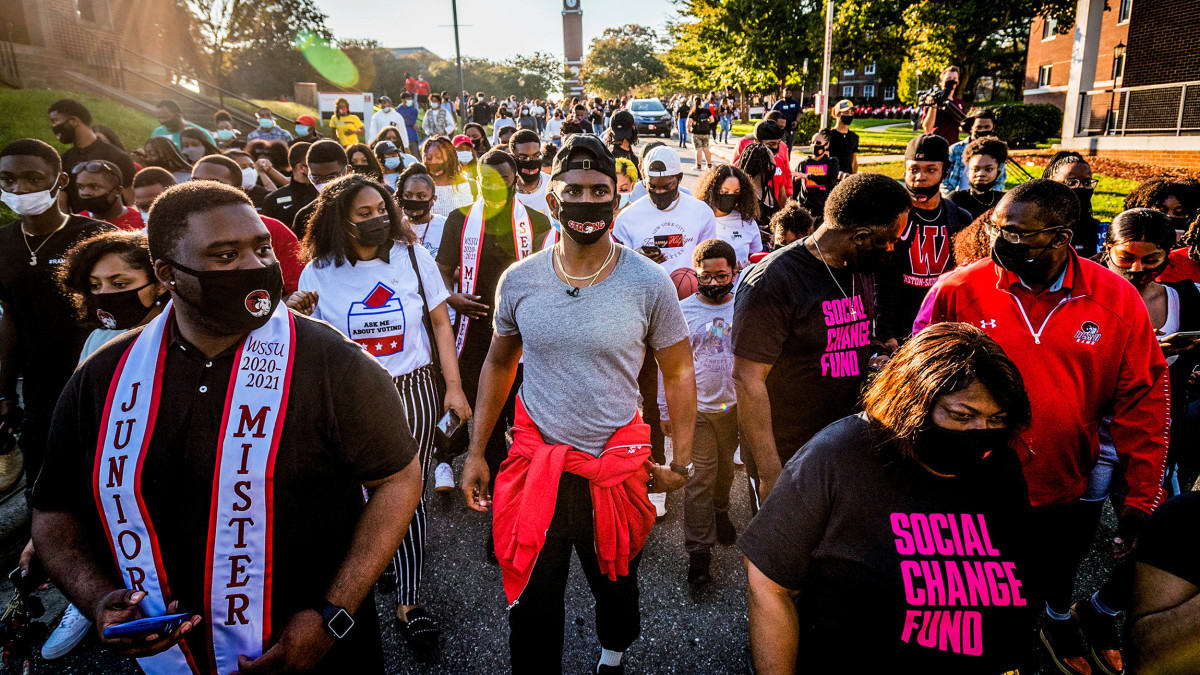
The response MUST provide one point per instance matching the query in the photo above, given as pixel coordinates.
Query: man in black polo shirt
(322, 431)
(40, 339)
(71, 123)
(284, 203)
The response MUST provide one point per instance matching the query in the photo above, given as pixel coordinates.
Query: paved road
(682, 632)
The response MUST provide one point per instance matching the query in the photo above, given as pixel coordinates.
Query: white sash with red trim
(472, 249)
(237, 584)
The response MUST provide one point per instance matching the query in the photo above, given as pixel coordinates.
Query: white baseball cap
(662, 161)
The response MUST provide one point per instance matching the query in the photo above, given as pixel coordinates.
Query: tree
(251, 44)
(621, 60)
(541, 73)
(929, 35)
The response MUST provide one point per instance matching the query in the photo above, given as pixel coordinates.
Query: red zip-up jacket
(1095, 354)
(527, 489)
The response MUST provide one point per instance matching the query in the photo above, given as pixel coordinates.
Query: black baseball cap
(384, 147)
(568, 157)
(767, 130)
(622, 125)
(928, 148)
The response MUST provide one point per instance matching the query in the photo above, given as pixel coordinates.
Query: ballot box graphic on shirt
(377, 322)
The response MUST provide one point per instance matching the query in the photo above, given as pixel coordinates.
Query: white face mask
(30, 203)
(249, 177)
(466, 157)
(193, 152)
(320, 187)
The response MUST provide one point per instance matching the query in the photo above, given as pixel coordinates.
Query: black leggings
(536, 621)
(1060, 539)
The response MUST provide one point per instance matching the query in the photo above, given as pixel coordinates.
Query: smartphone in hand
(154, 625)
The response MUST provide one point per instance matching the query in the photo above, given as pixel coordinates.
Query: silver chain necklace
(853, 310)
(937, 215)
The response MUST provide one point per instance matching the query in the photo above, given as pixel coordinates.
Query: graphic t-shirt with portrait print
(675, 231)
(377, 304)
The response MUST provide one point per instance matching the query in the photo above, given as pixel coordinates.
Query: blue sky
(411, 23)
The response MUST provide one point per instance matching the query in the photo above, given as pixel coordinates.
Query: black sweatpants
(1060, 538)
(536, 620)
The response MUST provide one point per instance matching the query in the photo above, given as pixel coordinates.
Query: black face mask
(846, 119)
(416, 208)
(983, 188)
(361, 169)
(728, 202)
(1085, 201)
(1178, 222)
(64, 131)
(585, 222)
(1141, 278)
(953, 452)
(98, 204)
(662, 200)
(714, 291)
(1015, 257)
(872, 259)
(529, 169)
(926, 191)
(982, 134)
(374, 232)
(236, 301)
(951, 85)
(121, 310)
(493, 195)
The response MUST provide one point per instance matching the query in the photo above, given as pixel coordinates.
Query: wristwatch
(685, 471)
(337, 620)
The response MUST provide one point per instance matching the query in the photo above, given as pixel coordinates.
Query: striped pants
(422, 407)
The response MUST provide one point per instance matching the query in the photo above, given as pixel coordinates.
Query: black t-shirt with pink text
(898, 570)
(813, 325)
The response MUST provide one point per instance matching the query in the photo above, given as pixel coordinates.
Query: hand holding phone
(154, 625)
(449, 424)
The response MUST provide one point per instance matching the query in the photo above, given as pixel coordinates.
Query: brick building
(862, 86)
(1048, 61)
(1127, 76)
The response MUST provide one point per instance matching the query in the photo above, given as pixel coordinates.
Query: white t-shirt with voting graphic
(676, 231)
(377, 304)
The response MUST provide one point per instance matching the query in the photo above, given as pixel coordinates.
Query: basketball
(685, 281)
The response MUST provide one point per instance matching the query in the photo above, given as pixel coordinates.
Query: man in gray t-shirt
(581, 315)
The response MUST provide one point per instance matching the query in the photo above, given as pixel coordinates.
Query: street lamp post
(823, 103)
(462, 108)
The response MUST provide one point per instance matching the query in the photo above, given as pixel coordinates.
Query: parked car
(651, 117)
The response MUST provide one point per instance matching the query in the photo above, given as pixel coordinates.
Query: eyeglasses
(327, 177)
(93, 167)
(1081, 183)
(1014, 236)
(721, 278)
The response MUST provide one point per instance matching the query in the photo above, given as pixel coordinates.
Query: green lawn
(1108, 201)
(873, 138)
(25, 116)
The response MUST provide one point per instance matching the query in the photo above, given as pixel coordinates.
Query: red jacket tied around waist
(527, 488)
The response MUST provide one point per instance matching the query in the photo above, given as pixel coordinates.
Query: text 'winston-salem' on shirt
(904, 570)
(791, 313)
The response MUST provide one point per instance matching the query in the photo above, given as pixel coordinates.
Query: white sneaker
(737, 457)
(443, 478)
(659, 500)
(72, 629)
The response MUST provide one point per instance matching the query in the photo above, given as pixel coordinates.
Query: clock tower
(573, 44)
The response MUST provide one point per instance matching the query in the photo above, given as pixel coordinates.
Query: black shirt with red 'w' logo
(925, 252)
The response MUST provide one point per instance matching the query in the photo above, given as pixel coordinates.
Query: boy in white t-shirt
(709, 314)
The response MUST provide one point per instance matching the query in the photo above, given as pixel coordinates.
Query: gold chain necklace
(33, 261)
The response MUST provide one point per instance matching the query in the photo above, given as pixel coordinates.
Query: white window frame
(868, 91)
(1124, 7)
(847, 71)
(1049, 24)
(1045, 74)
(870, 69)
(889, 93)
(848, 91)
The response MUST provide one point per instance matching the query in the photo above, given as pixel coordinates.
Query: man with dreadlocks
(770, 174)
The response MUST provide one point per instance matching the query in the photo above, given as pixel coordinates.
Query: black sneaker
(726, 532)
(490, 549)
(697, 574)
(1065, 644)
(618, 669)
(1103, 638)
